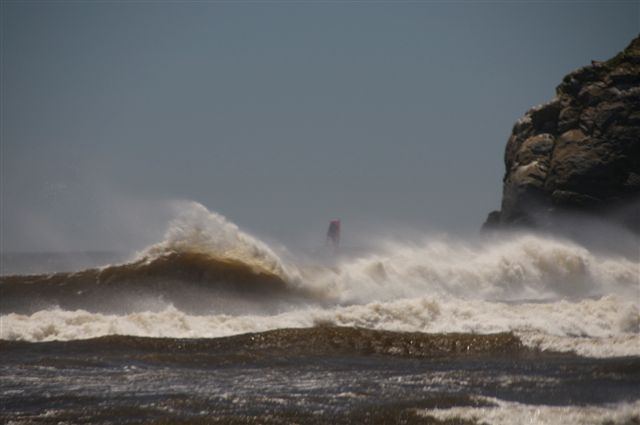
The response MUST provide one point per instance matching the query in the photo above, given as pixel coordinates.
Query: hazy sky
(279, 115)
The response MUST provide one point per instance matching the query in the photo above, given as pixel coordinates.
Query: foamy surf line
(500, 412)
(605, 327)
(437, 285)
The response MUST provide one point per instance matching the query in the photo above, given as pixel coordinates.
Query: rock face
(580, 152)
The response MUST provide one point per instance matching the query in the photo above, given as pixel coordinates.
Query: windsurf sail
(333, 234)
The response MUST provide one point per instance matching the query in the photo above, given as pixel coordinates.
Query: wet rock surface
(579, 153)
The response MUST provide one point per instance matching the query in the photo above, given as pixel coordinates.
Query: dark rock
(587, 118)
(632, 182)
(579, 152)
(573, 83)
(544, 118)
(535, 148)
(634, 118)
(625, 75)
(568, 199)
(608, 113)
(594, 93)
(492, 222)
(568, 119)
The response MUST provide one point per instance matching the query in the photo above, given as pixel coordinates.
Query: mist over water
(554, 293)
(121, 305)
(495, 328)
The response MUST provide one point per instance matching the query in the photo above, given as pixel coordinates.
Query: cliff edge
(579, 153)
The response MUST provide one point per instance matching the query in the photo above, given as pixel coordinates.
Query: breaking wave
(193, 281)
(523, 267)
(200, 231)
(203, 261)
(598, 328)
(208, 278)
(502, 412)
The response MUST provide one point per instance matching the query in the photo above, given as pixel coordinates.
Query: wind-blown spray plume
(208, 278)
(197, 230)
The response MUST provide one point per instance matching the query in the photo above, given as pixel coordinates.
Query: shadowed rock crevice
(578, 153)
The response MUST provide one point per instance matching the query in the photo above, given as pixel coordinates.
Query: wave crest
(207, 278)
(191, 281)
(514, 268)
(196, 230)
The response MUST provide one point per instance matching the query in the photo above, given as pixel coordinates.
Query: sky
(280, 115)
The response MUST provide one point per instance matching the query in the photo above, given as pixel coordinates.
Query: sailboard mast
(333, 234)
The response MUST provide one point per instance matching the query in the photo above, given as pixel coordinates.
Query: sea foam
(554, 294)
(504, 412)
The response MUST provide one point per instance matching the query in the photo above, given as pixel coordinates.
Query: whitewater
(554, 294)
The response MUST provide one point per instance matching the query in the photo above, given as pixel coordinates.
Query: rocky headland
(578, 153)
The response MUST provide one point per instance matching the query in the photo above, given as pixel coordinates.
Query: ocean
(212, 325)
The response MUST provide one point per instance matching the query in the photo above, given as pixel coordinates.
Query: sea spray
(198, 230)
(517, 267)
(599, 328)
(501, 412)
(553, 293)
